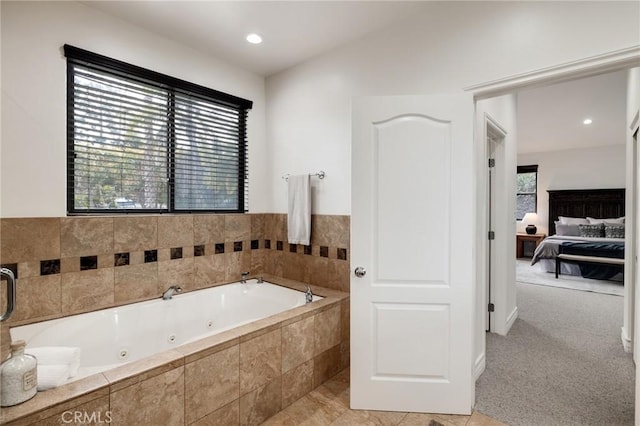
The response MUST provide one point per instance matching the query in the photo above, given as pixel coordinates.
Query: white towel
(299, 217)
(57, 355)
(52, 376)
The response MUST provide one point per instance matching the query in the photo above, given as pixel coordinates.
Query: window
(140, 141)
(527, 191)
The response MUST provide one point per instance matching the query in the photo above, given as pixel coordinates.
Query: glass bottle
(18, 376)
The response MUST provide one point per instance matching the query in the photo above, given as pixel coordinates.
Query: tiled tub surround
(72, 265)
(240, 376)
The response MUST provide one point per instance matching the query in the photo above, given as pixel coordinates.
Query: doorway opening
(632, 238)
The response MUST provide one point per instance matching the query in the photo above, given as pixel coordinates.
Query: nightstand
(528, 241)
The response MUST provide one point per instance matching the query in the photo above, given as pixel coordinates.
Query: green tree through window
(527, 191)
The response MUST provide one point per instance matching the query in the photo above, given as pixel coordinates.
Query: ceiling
(549, 118)
(293, 31)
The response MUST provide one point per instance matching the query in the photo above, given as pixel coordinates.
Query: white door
(412, 224)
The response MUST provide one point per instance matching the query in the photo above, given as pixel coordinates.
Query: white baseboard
(627, 344)
(479, 365)
(513, 316)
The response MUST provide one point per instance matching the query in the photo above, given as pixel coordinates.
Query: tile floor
(328, 404)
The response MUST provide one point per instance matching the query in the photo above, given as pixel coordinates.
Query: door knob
(360, 272)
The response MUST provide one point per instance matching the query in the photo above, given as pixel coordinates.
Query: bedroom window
(527, 191)
(144, 142)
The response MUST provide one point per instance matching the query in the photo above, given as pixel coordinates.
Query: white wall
(501, 111)
(631, 327)
(452, 46)
(589, 168)
(34, 95)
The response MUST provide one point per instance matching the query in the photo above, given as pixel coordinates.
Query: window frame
(533, 168)
(173, 86)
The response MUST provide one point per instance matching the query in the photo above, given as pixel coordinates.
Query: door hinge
(492, 235)
(492, 162)
(491, 307)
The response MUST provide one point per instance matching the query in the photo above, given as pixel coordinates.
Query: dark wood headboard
(596, 203)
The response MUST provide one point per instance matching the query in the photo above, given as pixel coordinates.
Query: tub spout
(308, 295)
(168, 294)
(243, 280)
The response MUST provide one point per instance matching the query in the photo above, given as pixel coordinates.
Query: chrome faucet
(244, 277)
(308, 295)
(11, 292)
(168, 294)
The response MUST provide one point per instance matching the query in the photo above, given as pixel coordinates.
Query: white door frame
(595, 65)
(493, 129)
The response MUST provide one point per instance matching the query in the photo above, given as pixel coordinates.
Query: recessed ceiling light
(254, 38)
(587, 121)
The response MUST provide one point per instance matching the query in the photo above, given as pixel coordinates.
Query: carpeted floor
(562, 363)
(532, 274)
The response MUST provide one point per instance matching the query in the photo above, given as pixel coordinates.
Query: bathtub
(112, 337)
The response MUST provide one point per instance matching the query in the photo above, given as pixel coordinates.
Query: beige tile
(261, 403)
(345, 354)
(236, 263)
(5, 339)
(327, 329)
(237, 227)
(260, 360)
(317, 408)
(97, 412)
(330, 230)
(345, 319)
(87, 290)
(67, 264)
(297, 343)
(420, 419)
(29, 239)
(85, 236)
(143, 369)
(338, 275)
(296, 383)
(158, 400)
(228, 415)
(55, 401)
(176, 272)
(208, 270)
(280, 419)
(208, 229)
(479, 419)
(135, 233)
(211, 383)
(293, 266)
(257, 261)
(175, 231)
(207, 346)
(30, 269)
(317, 270)
(257, 227)
(273, 262)
(338, 386)
(136, 282)
(369, 418)
(326, 365)
(275, 227)
(36, 297)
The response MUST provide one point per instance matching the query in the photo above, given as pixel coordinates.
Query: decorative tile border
(121, 259)
(50, 267)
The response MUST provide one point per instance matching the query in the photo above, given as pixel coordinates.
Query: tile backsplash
(71, 265)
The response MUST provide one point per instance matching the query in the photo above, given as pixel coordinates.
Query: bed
(586, 209)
